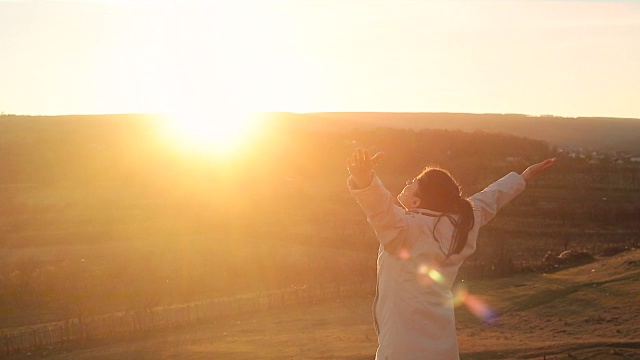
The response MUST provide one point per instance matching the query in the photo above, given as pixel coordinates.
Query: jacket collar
(426, 212)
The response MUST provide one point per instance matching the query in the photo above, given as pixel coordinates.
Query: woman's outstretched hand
(361, 165)
(535, 169)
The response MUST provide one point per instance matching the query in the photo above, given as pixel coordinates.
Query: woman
(422, 245)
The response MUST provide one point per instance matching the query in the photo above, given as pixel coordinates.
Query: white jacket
(413, 309)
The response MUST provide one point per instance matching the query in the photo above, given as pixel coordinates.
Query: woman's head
(435, 189)
(438, 190)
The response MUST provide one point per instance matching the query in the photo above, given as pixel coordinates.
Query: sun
(220, 133)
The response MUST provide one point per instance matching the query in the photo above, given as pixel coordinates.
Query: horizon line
(336, 112)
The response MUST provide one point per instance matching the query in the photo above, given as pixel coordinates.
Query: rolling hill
(586, 312)
(598, 133)
(581, 132)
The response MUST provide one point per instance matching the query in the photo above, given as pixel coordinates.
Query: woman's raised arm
(535, 169)
(361, 165)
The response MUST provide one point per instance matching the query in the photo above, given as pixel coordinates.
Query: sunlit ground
(551, 316)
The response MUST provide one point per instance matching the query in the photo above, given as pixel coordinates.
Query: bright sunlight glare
(222, 133)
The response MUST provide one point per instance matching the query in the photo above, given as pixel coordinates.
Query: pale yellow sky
(577, 58)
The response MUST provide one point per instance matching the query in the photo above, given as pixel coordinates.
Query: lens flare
(428, 275)
(423, 269)
(404, 254)
(475, 305)
(436, 276)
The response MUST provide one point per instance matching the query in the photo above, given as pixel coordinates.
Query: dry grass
(587, 312)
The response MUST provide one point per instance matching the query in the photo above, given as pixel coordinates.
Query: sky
(574, 58)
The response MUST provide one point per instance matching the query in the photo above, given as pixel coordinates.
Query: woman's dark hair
(439, 191)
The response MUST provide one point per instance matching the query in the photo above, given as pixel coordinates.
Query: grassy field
(587, 312)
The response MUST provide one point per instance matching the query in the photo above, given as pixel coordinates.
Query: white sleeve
(388, 220)
(490, 200)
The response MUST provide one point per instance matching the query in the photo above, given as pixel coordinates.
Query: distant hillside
(130, 148)
(595, 133)
(585, 132)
